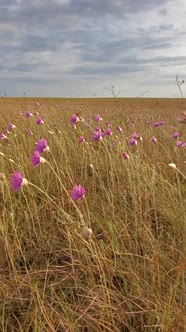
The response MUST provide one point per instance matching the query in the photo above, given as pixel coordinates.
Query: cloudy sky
(81, 48)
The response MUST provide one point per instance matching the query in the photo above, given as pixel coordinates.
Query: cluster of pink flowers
(41, 146)
(135, 138)
(181, 144)
(101, 132)
(107, 132)
(159, 123)
(8, 129)
(97, 135)
(17, 181)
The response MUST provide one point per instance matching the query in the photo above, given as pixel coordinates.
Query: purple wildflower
(119, 129)
(37, 159)
(98, 129)
(42, 145)
(28, 114)
(81, 139)
(134, 135)
(17, 181)
(77, 192)
(97, 136)
(180, 144)
(182, 118)
(125, 155)
(175, 135)
(161, 123)
(98, 118)
(156, 124)
(10, 126)
(3, 136)
(39, 121)
(153, 139)
(74, 119)
(107, 132)
(133, 141)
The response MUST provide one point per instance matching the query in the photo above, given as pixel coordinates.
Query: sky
(92, 48)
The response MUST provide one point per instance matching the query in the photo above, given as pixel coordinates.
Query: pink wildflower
(39, 121)
(98, 118)
(42, 145)
(154, 139)
(77, 192)
(17, 181)
(74, 119)
(37, 159)
(81, 139)
(125, 155)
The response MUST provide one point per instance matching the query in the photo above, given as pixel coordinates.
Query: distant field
(92, 215)
(163, 106)
(158, 103)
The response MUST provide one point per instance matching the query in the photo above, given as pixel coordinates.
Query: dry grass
(130, 275)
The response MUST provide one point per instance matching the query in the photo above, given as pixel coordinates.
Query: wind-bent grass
(130, 275)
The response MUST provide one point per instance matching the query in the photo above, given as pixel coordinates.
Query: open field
(111, 258)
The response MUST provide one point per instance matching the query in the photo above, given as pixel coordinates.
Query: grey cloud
(38, 43)
(22, 79)
(164, 61)
(37, 80)
(50, 11)
(163, 12)
(131, 64)
(5, 3)
(166, 27)
(22, 68)
(157, 45)
(117, 8)
(106, 70)
(116, 50)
